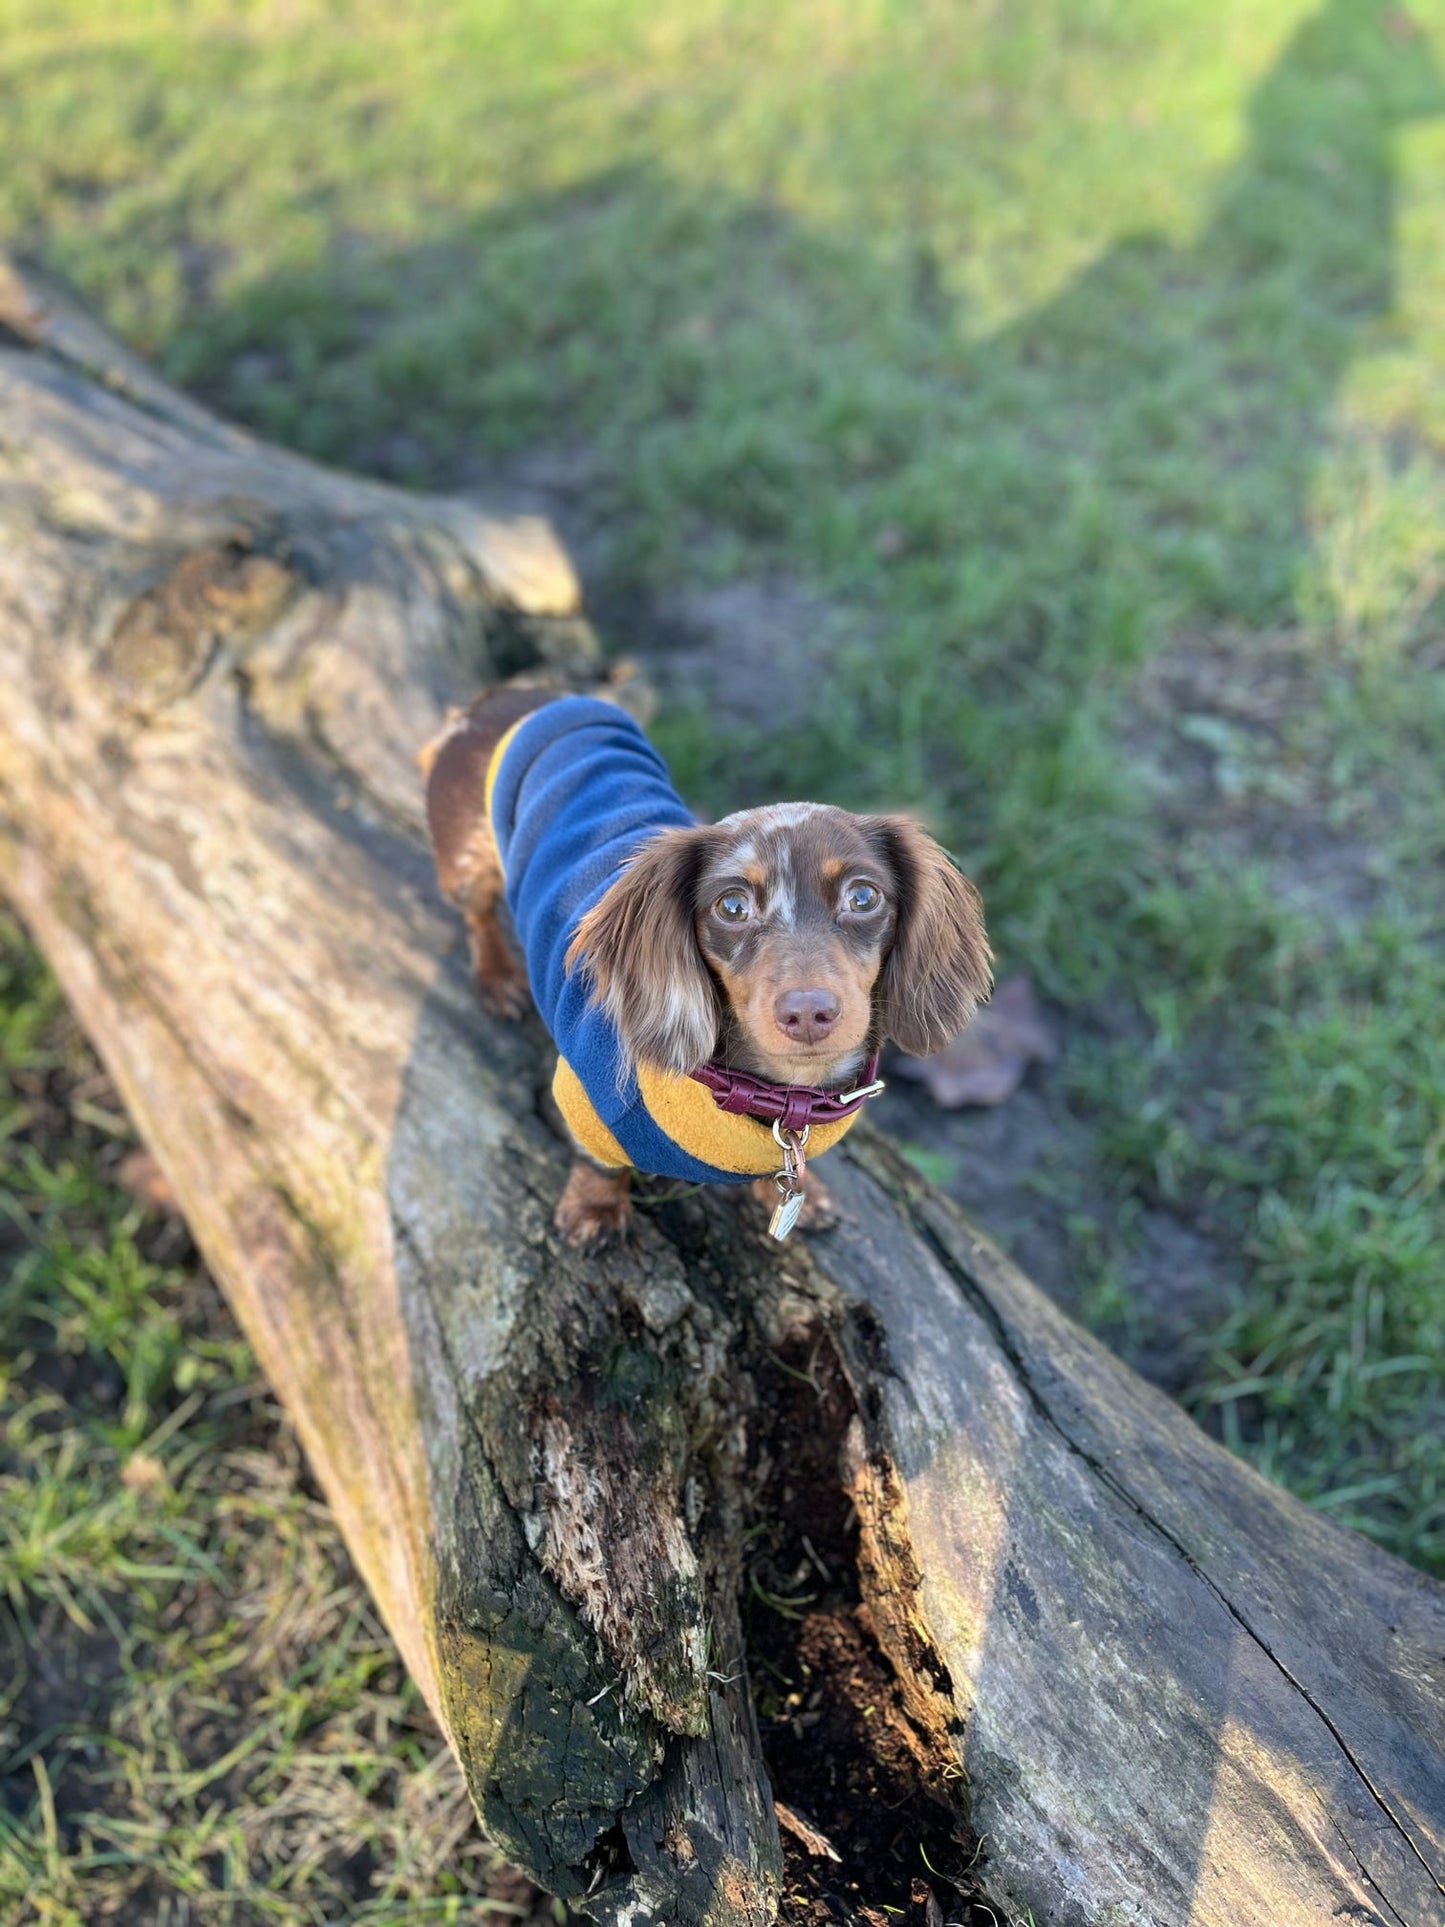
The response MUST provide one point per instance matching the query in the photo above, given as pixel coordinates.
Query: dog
(718, 993)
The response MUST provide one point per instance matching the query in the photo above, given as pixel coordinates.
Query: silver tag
(786, 1216)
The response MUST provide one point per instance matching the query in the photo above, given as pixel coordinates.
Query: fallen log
(1168, 1693)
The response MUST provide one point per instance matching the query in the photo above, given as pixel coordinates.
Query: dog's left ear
(938, 970)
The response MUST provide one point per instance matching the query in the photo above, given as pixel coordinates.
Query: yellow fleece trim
(494, 767)
(591, 1134)
(689, 1114)
(686, 1112)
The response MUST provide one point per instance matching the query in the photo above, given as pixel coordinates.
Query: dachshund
(718, 993)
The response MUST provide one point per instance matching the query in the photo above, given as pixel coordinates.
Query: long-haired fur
(638, 948)
(939, 968)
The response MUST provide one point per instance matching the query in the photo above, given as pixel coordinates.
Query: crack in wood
(972, 1289)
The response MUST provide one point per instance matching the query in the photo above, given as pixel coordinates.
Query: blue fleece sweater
(575, 790)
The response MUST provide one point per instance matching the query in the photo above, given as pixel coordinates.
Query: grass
(1088, 358)
(202, 1719)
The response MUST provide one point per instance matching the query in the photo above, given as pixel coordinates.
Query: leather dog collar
(791, 1106)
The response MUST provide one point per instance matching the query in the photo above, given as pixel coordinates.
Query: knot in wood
(210, 600)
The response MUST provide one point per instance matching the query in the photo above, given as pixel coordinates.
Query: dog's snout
(806, 1016)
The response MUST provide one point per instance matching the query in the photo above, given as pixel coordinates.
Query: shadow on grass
(704, 369)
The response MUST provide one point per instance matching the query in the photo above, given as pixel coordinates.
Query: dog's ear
(639, 949)
(938, 969)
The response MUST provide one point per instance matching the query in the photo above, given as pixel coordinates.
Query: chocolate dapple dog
(718, 993)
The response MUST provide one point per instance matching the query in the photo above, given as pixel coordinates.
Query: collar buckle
(863, 1090)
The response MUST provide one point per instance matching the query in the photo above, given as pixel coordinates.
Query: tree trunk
(1170, 1693)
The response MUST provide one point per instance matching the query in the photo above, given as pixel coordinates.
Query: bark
(1176, 1695)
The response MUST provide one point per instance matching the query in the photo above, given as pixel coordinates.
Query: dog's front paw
(595, 1208)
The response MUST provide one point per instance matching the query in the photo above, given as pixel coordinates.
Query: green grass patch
(200, 1715)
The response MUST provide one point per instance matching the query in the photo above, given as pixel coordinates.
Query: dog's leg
(497, 972)
(595, 1207)
(468, 867)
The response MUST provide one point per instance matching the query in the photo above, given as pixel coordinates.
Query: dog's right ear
(940, 967)
(638, 948)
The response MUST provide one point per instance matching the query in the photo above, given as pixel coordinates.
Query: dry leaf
(139, 1174)
(985, 1063)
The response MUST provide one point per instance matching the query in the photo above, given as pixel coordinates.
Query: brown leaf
(985, 1063)
(139, 1174)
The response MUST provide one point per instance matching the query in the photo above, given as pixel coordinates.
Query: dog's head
(788, 941)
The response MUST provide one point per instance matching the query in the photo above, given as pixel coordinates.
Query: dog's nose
(806, 1016)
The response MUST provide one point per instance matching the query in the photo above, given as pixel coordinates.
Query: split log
(1171, 1694)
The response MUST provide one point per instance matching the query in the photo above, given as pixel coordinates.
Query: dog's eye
(733, 906)
(860, 898)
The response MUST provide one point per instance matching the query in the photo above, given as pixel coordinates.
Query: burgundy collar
(792, 1106)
